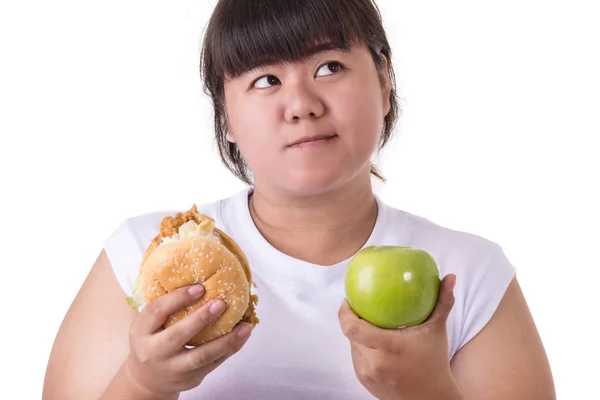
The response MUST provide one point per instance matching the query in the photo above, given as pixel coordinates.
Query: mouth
(310, 140)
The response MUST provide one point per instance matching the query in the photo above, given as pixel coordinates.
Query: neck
(309, 228)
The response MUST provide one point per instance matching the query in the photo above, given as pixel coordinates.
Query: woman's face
(335, 95)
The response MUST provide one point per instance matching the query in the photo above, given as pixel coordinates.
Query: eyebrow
(327, 46)
(311, 51)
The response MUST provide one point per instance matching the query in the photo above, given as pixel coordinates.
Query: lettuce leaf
(136, 300)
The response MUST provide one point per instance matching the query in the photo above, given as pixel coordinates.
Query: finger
(445, 301)
(207, 369)
(360, 331)
(363, 359)
(177, 335)
(358, 359)
(216, 350)
(155, 314)
(197, 375)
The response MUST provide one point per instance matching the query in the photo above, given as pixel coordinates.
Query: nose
(302, 103)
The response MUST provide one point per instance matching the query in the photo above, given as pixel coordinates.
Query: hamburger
(190, 250)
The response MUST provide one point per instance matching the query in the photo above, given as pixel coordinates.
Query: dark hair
(244, 34)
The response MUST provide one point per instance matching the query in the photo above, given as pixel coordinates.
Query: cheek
(252, 125)
(359, 114)
(243, 117)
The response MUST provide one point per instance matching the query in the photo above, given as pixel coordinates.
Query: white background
(102, 117)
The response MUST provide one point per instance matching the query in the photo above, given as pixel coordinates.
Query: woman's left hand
(407, 363)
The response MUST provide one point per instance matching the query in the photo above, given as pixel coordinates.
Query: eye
(330, 68)
(266, 82)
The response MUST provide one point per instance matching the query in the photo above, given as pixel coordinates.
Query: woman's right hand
(158, 361)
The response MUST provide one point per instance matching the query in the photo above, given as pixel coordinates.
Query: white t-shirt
(298, 350)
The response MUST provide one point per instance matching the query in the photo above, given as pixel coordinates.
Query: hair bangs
(263, 32)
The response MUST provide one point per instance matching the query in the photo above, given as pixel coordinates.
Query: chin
(311, 182)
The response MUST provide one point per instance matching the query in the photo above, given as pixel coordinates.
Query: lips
(309, 139)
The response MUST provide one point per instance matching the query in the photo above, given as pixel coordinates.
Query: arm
(506, 360)
(92, 343)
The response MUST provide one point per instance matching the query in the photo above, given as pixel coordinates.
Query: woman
(303, 96)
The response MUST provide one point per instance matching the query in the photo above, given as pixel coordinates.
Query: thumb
(445, 300)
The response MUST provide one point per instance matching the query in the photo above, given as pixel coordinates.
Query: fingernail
(196, 290)
(453, 281)
(244, 330)
(216, 307)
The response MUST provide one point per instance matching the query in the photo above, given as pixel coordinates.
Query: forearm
(451, 391)
(123, 386)
(444, 388)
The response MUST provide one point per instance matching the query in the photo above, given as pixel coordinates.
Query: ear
(229, 136)
(384, 80)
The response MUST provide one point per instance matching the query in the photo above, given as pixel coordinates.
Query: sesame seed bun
(186, 253)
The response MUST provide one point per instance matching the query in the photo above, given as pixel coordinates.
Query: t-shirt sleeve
(125, 254)
(487, 291)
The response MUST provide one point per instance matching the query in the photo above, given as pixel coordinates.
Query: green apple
(392, 286)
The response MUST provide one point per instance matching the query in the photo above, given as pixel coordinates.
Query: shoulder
(449, 246)
(453, 248)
